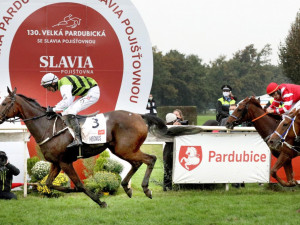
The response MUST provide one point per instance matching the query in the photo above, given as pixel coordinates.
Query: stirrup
(75, 143)
(79, 154)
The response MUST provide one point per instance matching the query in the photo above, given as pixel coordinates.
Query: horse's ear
(9, 91)
(258, 99)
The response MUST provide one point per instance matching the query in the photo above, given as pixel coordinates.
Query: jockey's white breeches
(83, 102)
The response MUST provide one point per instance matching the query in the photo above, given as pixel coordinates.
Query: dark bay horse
(250, 110)
(287, 133)
(126, 132)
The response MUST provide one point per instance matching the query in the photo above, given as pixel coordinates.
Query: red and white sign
(221, 158)
(102, 39)
(190, 157)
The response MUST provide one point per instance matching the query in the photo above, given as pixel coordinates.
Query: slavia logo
(190, 157)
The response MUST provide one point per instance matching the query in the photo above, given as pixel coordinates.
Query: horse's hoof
(129, 192)
(103, 205)
(148, 193)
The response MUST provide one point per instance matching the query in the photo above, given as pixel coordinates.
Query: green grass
(253, 204)
(204, 117)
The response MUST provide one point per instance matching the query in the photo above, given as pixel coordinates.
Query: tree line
(184, 80)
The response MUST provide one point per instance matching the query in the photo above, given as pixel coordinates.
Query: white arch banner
(103, 39)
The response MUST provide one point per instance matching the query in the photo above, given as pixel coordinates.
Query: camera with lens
(183, 122)
(3, 159)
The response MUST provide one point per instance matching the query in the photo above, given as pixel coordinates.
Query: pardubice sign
(103, 39)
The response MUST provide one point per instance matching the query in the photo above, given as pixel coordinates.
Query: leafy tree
(289, 53)
(186, 80)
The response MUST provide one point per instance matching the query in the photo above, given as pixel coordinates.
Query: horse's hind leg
(150, 161)
(136, 160)
(69, 170)
(125, 181)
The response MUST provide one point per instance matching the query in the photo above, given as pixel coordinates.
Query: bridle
(285, 133)
(54, 134)
(238, 119)
(7, 109)
(245, 111)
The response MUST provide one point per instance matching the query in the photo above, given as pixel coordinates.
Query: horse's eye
(285, 125)
(239, 110)
(4, 104)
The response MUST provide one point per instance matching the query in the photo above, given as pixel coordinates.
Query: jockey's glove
(49, 110)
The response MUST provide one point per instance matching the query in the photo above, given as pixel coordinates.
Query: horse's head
(241, 114)
(8, 107)
(286, 130)
(237, 117)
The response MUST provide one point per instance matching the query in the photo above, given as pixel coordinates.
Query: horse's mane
(256, 102)
(31, 100)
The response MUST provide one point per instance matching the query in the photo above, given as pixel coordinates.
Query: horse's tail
(157, 127)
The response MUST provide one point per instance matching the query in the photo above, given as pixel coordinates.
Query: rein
(244, 113)
(13, 99)
(54, 132)
(24, 120)
(257, 118)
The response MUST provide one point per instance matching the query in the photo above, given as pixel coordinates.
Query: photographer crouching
(7, 171)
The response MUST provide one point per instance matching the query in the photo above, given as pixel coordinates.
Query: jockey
(69, 87)
(288, 94)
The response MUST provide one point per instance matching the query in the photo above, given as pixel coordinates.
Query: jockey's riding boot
(76, 128)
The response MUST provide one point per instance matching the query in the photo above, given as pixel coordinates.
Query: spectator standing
(224, 102)
(7, 171)
(151, 106)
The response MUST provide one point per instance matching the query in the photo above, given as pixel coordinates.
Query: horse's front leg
(282, 159)
(54, 171)
(288, 168)
(70, 171)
